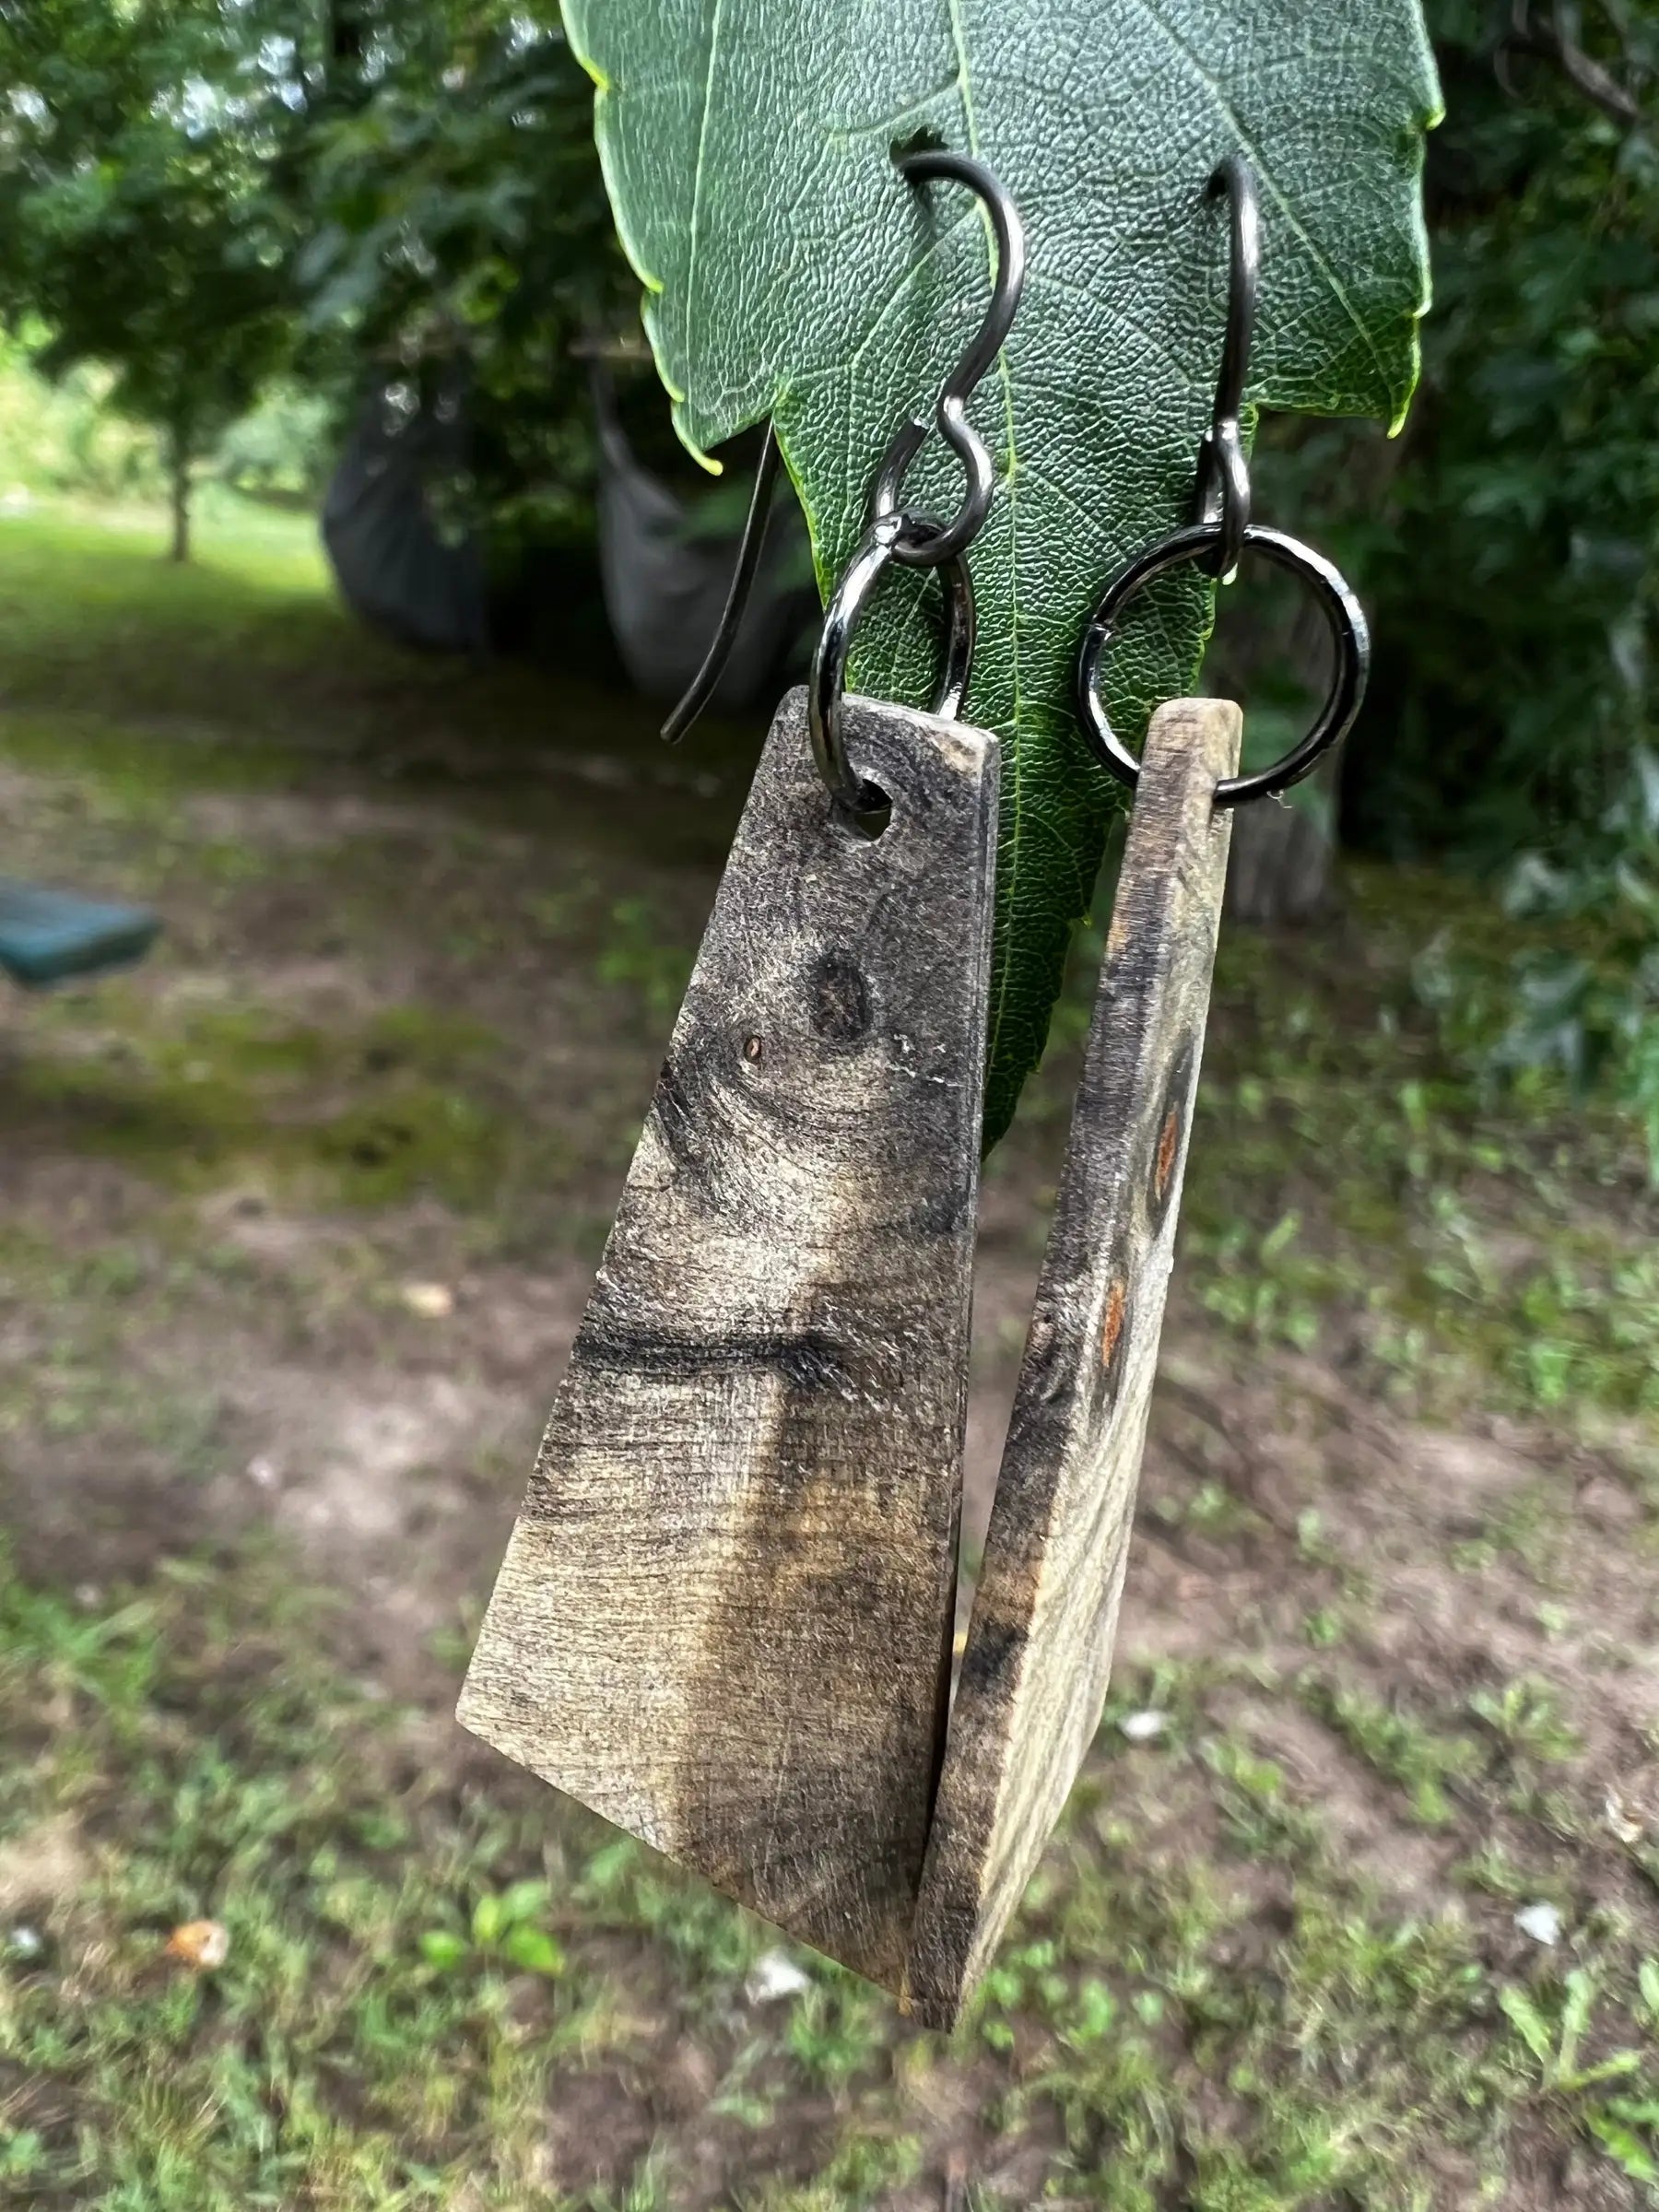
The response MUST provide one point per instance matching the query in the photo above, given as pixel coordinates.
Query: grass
(416, 977)
(397, 1105)
(419, 1971)
(1432, 1226)
(1360, 1185)
(347, 2050)
(413, 1971)
(1396, 1743)
(116, 656)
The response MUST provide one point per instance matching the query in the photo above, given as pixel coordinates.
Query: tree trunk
(345, 32)
(345, 74)
(178, 470)
(1280, 869)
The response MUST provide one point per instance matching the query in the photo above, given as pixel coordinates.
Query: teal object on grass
(50, 937)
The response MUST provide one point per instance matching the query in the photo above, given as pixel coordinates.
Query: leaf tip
(575, 30)
(684, 433)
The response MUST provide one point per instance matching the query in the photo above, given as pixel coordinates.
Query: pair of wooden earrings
(724, 1619)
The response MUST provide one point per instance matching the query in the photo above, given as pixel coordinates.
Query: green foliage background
(456, 218)
(1513, 560)
(203, 206)
(146, 226)
(789, 272)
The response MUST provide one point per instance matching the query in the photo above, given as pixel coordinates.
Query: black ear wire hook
(707, 681)
(1220, 531)
(931, 549)
(1223, 489)
(915, 541)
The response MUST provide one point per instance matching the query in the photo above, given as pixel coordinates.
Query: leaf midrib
(716, 14)
(1015, 801)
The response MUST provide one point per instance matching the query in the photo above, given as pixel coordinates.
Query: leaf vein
(716, 14)
(1212, 85)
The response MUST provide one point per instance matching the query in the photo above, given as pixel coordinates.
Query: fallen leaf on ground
(1622, 1817)
(775, 1976)
(203, 1944)
(1542, 1922)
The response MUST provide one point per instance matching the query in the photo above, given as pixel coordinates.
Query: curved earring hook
(1220, 531)
(706, 682)
(931, 550)
(923, 547)
(1223, 489)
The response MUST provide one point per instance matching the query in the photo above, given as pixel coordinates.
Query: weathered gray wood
(1039, 1650)
(723, 1619)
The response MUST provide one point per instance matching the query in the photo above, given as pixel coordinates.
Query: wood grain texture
(723, 1621)
(1039, 1650)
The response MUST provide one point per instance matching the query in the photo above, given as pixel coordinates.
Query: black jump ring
(875, 549)
(1350, 637)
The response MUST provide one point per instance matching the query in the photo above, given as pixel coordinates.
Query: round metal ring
(1345, 618)
(841, 618)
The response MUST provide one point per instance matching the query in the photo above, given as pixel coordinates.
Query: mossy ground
(298, 1221)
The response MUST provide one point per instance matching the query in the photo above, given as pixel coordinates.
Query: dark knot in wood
(840, 999)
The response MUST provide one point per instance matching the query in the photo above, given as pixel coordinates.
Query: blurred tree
(458, 228)
(63, 436)
(202, 195)
(142, 214)
(1509, 542)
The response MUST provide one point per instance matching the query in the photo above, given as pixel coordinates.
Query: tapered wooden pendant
(723, 1619)
(1034, 1673)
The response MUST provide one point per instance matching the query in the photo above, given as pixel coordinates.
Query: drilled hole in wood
(870, 819)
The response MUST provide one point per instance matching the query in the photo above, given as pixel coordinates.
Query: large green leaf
(790, 270)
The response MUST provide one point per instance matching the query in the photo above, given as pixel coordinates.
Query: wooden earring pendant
(723, 1617)
(1039, 1651)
